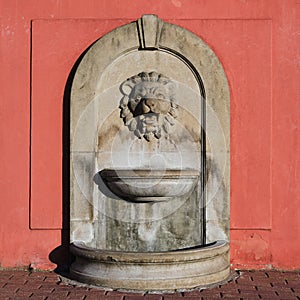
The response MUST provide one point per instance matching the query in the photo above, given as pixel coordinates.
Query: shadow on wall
(61, 255)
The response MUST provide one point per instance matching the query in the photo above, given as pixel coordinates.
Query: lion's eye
(160, 96)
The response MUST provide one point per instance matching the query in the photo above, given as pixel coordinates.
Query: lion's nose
(152, 104)
(145, 107)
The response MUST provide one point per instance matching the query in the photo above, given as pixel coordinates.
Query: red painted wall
(257, 43)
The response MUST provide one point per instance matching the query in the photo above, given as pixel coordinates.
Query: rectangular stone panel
(247, 67)
(56, 45)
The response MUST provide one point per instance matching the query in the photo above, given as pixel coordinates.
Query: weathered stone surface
(150, 185)
(103, 136)
(154, 226)
(149, 27)
(148, 107)
(152, 271)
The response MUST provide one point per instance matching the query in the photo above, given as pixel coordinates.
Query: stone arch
(173, 50)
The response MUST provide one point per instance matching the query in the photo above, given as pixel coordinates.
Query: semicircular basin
(156, 271)
(142, 185)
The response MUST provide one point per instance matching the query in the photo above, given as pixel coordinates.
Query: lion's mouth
(150, 119)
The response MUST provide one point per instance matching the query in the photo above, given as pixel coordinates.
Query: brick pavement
(250, 285)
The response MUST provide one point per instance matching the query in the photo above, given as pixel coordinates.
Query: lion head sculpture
(148, 106)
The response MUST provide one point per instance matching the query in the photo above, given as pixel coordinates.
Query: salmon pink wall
(257, 44)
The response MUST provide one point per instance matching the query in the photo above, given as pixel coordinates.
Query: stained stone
(149, 130)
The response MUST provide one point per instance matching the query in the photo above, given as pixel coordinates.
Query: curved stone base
(182, 269)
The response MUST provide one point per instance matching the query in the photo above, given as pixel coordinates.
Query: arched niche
(101, 138)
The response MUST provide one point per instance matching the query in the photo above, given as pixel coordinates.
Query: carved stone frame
(149, 33)
(202, 266)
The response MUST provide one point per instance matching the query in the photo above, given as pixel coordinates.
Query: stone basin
(158, 271)
(144, 185)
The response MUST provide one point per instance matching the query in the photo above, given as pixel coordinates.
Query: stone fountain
(150, 161)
